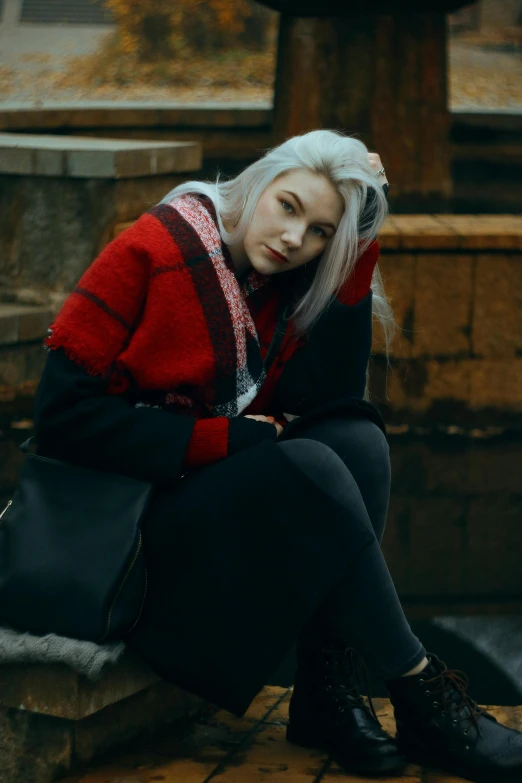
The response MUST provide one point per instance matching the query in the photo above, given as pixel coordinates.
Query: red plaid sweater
(156, 323)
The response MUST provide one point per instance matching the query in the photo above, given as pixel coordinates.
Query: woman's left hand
(376, 164)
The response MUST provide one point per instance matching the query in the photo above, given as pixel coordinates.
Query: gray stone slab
(38, 748)
(134, 114)
(19, 323)
(57, 690)
(16, 161)
(86, 157)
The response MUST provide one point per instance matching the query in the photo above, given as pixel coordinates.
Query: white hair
(343, 160)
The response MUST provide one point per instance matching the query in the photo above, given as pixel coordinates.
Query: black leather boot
(440, 725)
(327, 711)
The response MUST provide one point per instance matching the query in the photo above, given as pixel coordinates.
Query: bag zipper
(10, 503)
(135, 623)
(131, 566)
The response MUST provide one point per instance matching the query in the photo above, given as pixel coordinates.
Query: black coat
(240, 553)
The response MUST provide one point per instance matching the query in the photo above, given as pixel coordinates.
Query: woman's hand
(268, 420)
(376, 164)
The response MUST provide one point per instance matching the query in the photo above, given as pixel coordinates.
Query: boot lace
(451, 685)
(347, 676)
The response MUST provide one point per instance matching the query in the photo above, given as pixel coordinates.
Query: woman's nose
(293, 238)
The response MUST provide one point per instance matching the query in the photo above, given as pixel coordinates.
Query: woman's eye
(288, 205)
(322, 234)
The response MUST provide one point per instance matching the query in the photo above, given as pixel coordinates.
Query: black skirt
(240, 554)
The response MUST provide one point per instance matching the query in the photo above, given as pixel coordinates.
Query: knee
(364, 448)
(316, 459)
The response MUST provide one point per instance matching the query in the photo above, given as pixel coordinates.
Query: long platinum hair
(343, 160)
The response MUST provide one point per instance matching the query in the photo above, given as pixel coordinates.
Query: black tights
(349, 459)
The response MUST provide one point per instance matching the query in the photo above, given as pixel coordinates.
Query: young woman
(219, 347)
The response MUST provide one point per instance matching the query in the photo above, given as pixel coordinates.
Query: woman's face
(296, 216)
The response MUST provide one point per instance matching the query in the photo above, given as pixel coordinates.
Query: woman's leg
(363, 607)
(363, 448)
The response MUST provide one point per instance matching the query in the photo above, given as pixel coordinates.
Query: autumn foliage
(152, 30)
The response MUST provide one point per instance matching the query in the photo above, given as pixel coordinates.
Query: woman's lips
(278, 256)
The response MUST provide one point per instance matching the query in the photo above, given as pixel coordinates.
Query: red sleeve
(208, 443)
(358, 284)
(215, 439)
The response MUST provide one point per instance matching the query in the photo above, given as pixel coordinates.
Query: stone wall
(60, 198)
(453, 534)
(455, 284)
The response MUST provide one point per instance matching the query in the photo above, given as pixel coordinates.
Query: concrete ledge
(125, 114)
(57, 690)
(452, 232)
(52, 719)
(36, 748)
(19, 323)
(85, 157)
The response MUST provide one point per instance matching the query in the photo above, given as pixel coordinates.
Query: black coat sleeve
(331, 365)
(78, 421)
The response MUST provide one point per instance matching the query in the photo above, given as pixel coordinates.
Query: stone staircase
(65, 12)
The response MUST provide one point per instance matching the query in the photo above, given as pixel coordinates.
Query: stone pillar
(382, 78)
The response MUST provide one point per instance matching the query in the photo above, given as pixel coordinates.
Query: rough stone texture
(33, 747)
(497, 314)
(135, 716)
(76, 156)
(51, 229)
(37, 748)
(59, 691)
(496, 384)
(20, 368)
(449, 380)
(398, 272)
(442, 318)
(19, 323)
(453, 526)
(452, 232)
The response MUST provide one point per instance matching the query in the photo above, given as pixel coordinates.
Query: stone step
(84, 157)
(53, 720)
(452, 232)
(23, 323)
(65, 12)
(252, 749)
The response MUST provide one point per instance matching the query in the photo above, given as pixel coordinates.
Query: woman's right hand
(268, 420)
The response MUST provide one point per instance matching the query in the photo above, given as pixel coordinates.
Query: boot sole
(426, 759)
(371, 767)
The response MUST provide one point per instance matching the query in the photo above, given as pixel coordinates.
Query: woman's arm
(331, 365)
(77, 420)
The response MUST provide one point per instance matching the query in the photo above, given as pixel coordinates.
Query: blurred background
(105, 106)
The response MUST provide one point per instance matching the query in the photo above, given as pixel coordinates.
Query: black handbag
(71, 555)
